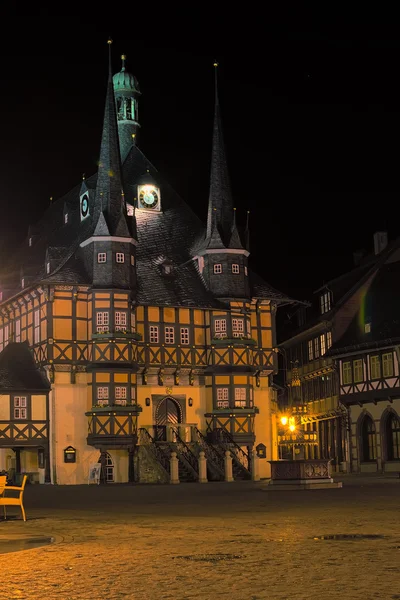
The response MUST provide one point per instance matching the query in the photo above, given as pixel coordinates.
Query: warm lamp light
(292, 427)
(284, 420)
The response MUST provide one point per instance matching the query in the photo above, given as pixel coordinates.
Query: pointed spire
(101, 227)
(109, 179)
(220, 200)
(247, 233)
(214, 240)
(235, 241)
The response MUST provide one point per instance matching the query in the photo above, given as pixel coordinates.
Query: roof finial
(216, 81)
(109, 42)
(123, 58)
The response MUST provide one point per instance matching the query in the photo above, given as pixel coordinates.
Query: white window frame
(103, 392)
(102, 321)
(223, 403)
(120, 257)
(185, 336)
(121, 394)
(120, 320)
(220, 328)
(223, 394)
(20, 407)
(169, 334)
(218, 268)
(245, 271)
(237, 327)
(102, 257)
(36, 326)
(235, 269)
(240, 395)
(153, 334)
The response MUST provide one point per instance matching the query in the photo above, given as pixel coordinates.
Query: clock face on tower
(84, 206)
(149, 196)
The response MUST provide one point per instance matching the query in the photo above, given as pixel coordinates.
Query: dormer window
(367, 328)
(167, 269)
(325, 302)
(218, 268)
(47, 268)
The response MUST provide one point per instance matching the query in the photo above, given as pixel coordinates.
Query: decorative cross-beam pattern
(23, 433)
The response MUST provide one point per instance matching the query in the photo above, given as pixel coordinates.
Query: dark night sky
(310, 115)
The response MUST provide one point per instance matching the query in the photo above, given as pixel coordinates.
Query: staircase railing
(215, 458)
(158, 452)
(240, 459)
(186, 456)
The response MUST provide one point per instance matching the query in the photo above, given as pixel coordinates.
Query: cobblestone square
(237, 541)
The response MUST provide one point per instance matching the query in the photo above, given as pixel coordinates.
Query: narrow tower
(127, 92)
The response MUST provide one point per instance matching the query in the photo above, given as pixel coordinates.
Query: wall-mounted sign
(261, 451)
(69, 454)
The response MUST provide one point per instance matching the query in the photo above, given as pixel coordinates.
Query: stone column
(228, 466)
(255, 470)
(202, 468)
(173, 468)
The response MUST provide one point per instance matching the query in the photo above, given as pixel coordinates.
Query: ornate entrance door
(168, 413)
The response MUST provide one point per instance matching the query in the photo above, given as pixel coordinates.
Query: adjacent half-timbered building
(310, 357)
(153, 330)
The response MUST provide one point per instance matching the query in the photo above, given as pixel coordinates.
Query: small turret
(127, 92)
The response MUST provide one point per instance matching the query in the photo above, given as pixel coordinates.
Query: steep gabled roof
(18, 371)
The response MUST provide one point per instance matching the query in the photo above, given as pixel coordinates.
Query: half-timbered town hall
(148, 329)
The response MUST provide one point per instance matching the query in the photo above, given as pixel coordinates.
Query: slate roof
(380, 307)
(18, 370)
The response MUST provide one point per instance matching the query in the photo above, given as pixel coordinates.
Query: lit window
(47, 268)
(322, 344)
(310, 350)
(358, 370)
(102, 392)
(223, 404)
(222, 394)
(102, 322)
(184, 336)
(18, 330)
(240, 393)
(169, 335)
(387, 364)
(153, 334)
(328, 339)
(367, 328)
(36, 326)
(20, 407)
(347, 375)
(121, 394)
(220, 328)
(6, 334)
(120, 320)
(120, 257)
(132, 260)
(235, 268)
(218, 268)
(102, 257)
(237, 327)
(316, 347)
(66, 218)
(325, 300)
(375, 367)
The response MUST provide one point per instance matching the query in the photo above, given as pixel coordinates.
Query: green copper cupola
(127, 92)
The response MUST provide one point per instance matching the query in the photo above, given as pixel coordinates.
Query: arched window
(368, 439)
(392, 437)
(109, 469)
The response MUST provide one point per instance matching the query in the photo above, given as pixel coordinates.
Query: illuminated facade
(152, 329)
(347, 360)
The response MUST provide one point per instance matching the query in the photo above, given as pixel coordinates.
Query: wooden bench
(17, 501)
